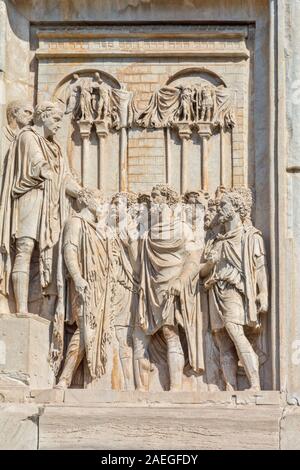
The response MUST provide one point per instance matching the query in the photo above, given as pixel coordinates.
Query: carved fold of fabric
(170, 105)
(163, 259)
(61, 313)
(162, 108)
(95, 264)
(6, 219)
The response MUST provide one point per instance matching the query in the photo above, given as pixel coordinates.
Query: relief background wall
(256, 142)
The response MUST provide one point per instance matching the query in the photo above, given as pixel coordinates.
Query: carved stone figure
(74, 96)
(18, 115)
(33, 202)
(189, 104)
(207, 104)
(168, 300)
(102, 107)
(125, 298)
(87, 258)
(86, 109)
(236, 278)
(185, 111)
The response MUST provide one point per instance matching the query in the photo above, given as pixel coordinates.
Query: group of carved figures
(88, 99)
(132, 267)
(196, 103)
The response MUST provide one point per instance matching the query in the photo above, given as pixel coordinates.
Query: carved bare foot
(254, 388)
(62, 385)
(230, 388)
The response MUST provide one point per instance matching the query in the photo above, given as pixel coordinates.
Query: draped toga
(94, 260)
(163, 255)
(32, 206)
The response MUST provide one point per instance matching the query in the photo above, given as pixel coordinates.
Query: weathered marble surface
(19, 427)
(26, 364)
(265, 149)
(159, 428)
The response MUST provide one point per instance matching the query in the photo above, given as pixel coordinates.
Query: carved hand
(46, 172)
(175, 287)
(213, 257)
(81, 287)
(262, 302)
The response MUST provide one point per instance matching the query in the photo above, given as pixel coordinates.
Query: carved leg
(124, 337)
(141, 360)
(228, 359)
(246, 354)
(20, 273)
(74, 356)
(175, 357)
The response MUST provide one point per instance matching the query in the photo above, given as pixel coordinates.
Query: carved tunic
(232, 282)
(92, 258)
(163, 255)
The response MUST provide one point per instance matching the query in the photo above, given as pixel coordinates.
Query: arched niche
(192, 75)
(96, 109)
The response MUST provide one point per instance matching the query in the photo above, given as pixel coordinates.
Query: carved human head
(19, 114)
(98, 78)
(195, 203)
(164, 194)
(49, 116)
(92, 200)
(120, 204)
(196, 197)
(211, 218)
(233, 202)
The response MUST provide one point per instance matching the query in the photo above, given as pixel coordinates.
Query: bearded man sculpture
(33, 202)
(236, 278)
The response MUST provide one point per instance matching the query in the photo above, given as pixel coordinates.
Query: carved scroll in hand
(190, 104)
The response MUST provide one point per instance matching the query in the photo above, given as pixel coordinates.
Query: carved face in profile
(24, 115)
(157, 197)
(52, 122)
(118, 208)
(226, 210)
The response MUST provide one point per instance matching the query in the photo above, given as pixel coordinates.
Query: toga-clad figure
(169, 295)
(87, 259)
(236, 278)
(34, 205)
(125, 299)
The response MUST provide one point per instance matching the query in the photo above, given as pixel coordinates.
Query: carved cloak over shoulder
(28, 153)
(94, 258)
(163, 256)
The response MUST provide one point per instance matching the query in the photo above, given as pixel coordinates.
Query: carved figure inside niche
(85, 100)
(125, 298)
(87, 258)
(207, 104)
(33, 202)
(236, 278)
(169, 300)
(73, 103)
(186, 107)
(102, 107)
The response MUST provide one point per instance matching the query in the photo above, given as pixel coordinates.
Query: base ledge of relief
(102, 398)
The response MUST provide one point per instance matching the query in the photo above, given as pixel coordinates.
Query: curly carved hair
(202, 196)
(46, 108)
(166, 191)
(130, 197)
(242, 200)
(89, 196)
(13, 107)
